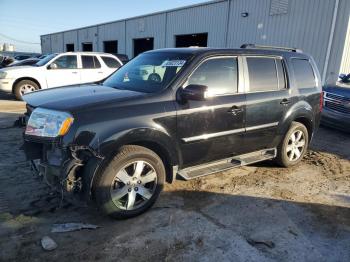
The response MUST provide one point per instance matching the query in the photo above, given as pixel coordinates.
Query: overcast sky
(23, 21)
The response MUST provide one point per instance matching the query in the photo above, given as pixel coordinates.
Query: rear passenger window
(111, 62)
(90, 62)
(304, 74)
(262, 74)
(220, 75)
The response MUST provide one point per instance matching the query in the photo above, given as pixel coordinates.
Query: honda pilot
(173, 114)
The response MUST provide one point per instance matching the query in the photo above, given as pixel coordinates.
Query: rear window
(262, 74)
(89, 62)
(304, 74)
(110, 62)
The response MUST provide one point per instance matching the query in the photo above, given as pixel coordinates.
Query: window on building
(111, 62)
(262, 74)
(70, 47)
(89, 62)
(87, 47)
(110, 47)
(66, 62)
(191, 40)
(303, 73)
(142, 45)
(220, 75)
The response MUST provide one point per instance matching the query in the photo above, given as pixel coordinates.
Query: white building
(318, 27)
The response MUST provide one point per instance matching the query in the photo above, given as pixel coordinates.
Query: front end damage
(68, 170)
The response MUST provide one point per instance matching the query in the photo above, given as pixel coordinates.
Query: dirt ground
(255, 213)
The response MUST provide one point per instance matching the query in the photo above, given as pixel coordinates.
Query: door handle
(74, 72)
(100, 72)
(235, 110)
(285, 101)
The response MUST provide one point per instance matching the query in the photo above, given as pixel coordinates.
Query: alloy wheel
(26, 88)
(296, 144)
(133, 185)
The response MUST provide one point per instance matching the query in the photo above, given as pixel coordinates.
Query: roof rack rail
(296, 50)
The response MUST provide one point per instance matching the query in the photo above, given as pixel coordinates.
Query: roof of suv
(87, 53)
(211, 51)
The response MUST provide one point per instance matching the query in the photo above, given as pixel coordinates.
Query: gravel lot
(255, 213)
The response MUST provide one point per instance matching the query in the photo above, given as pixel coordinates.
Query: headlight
(48, 123)
(3, 74)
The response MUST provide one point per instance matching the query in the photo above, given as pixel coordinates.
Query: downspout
(330, 42)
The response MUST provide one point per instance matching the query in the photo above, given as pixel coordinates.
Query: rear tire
(24, 87)
(293, 147)
(130, 183)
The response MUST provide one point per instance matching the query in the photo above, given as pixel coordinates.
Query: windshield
(148, 73)
(45, 60)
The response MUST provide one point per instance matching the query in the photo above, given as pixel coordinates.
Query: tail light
(321, 101)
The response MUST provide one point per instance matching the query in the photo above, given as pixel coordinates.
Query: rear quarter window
(111, 62)
(303, 73)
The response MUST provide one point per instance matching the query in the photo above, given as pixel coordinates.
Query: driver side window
(66, 62)
(220, 75)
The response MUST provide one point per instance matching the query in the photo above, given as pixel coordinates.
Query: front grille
(337, 97)
(337, 102)
(337, 107)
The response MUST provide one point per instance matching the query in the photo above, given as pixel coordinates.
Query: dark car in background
(25, 62)
(22, 57)
(336, 107)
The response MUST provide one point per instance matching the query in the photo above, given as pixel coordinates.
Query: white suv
(71, 68)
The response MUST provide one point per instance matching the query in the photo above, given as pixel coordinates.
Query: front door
(212, 129)
(267, 100)
(63, 71)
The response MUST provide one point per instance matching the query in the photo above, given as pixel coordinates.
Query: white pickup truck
(71, 68)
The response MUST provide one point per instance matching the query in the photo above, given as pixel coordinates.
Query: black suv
(173, 113)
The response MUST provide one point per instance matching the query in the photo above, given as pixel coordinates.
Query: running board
(226, 164)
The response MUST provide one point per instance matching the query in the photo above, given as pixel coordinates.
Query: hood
(339, 90)
(72, 98)
(16, 71)
(17, 68)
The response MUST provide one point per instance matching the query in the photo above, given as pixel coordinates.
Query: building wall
(307, 25)
(210, 18)
(112, 31)
(345, 65)
(46, 44)
(57, 42)
(70, 37)
(88, 35)
(144, 27)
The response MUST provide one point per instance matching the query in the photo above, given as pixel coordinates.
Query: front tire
(130, 183)
(294, 145)
(24, 87)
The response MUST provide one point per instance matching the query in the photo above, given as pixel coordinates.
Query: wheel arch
(301, 112)
(155, 140)
(25, 78)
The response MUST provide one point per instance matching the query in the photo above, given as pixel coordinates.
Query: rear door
(92, 69)
(268, 99)
(110, 65)
(212, 129)
(63, 71)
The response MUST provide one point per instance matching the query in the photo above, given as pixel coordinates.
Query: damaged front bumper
(65, 169)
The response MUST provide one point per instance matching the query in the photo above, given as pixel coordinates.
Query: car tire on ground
(23, 87)
(293, 147)
(130, 183)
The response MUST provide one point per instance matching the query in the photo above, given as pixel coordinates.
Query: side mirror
(194, 92)
(53, 66)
